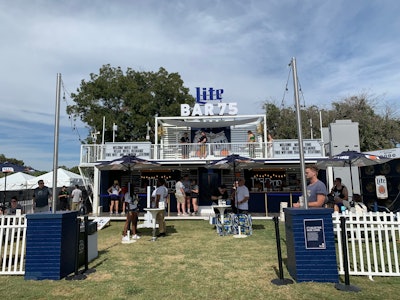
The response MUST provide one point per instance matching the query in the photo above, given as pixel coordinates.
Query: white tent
(64, 177)
(16, 182)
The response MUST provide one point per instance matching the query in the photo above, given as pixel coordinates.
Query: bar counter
(269, 202)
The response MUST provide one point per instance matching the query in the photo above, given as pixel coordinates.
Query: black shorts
(187, 194)
(114, 197)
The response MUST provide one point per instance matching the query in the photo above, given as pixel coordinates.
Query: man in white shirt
(180, 198)
(76, 198)
(242, 197)
(161, 197)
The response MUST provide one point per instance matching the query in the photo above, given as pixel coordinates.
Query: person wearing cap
(63, 197)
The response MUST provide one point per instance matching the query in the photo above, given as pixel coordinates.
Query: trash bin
(310, 244)
(92, 243)
(50, 245)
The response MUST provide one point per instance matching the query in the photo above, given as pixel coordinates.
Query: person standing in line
(132, 217)
(76, 196)
(316, 189)
(203, 141)
(194, 194)
(63, 197)
(41, 198)
(185, 148)
(124, 191)
(251, 140)
(114, 191)
(186, 187)
(161, 196)
(242, 197)
(180, 198)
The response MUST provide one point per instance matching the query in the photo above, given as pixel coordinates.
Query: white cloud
(341, 47)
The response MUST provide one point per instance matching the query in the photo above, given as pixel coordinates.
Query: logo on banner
(381, 187)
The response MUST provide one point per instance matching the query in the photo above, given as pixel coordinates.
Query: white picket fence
(373, 239)
(12, 245)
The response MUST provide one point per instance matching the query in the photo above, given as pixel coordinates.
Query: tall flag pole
(56, 137)
(299, 133)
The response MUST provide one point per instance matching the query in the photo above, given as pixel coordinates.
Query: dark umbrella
(126, 163)
(351, 159)
(6, 168)
(234, 161)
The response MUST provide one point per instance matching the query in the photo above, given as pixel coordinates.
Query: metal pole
(321, 131)
(102, 138)
(56, 136)
(299, 132)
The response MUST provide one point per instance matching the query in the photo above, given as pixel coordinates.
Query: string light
(72, 120)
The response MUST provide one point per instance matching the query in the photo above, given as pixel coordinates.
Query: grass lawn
(192, 262)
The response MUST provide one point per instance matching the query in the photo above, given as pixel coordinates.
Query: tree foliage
(130, 100)
(15, 161)
(377, 131)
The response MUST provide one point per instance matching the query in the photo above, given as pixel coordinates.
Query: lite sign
(381, 187)
(209, 103)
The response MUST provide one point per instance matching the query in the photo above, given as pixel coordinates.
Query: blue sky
(342, 48)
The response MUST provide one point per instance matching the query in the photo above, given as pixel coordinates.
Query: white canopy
(16, 181)
(64, 177)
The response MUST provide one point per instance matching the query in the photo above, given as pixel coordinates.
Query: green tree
(15, 161)
(376, 130)
(130, 100)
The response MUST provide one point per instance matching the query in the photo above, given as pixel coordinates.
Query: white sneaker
(185, 214)
(179, 214)
(135, 237)
(125, 238)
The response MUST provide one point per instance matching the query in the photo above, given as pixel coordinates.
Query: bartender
(220, 193)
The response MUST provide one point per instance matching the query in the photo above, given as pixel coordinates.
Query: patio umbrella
(7, 168)
(351, 159)
(127, 163)
(233, 161)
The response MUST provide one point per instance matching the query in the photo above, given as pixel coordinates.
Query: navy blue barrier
(274, 199)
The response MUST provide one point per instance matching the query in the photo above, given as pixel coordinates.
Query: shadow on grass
(258, 226)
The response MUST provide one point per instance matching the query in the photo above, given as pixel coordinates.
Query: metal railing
(211, 150)
(92, 153)
(372, 243)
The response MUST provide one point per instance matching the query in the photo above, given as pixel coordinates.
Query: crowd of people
(187, 197)
(42, 200)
